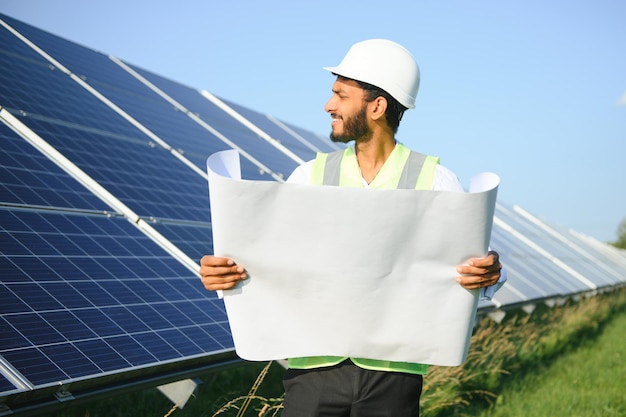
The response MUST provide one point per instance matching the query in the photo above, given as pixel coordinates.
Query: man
(376, 82)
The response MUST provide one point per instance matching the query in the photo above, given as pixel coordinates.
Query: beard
(355, 128)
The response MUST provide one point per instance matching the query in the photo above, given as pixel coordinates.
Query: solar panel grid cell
(71, 360)
(35, 296)
(37, 267)
(11, 303)
(181, 342)
(102, 353)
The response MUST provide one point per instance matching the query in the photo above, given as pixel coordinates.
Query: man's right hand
(220, 273)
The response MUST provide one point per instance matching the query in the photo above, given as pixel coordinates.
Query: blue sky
(534, 91)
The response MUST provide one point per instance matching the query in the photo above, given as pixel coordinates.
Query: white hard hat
(384, 64)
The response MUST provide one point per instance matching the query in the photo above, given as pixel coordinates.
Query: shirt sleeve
(446, 180)
(487, 293)
(302, 174)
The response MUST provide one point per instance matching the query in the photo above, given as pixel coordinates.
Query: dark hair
(394, 111)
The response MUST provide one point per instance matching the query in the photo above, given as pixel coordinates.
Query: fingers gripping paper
(348, 272)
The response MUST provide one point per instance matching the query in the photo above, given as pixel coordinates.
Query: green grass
(516, 354)
(589, 381)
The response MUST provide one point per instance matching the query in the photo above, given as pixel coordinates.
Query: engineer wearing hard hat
(376, 82)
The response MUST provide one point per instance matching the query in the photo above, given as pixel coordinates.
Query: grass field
(589, 381)
(519, 353)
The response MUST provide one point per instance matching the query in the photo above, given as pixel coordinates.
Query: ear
(378, 107)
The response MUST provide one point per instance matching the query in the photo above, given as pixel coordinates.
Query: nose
(330, 105)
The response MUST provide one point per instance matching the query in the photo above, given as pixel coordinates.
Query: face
(348, 110)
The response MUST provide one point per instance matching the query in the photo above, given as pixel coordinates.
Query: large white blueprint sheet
(348, 272)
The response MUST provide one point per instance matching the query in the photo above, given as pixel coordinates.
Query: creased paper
(348, 272)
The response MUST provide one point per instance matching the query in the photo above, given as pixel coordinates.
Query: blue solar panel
(118, 307)
(145, 177)
(522, 263)
(244, 138)
(196, 103)
(87, 294)
(145, 105)
(562, 279)
(605, 264)
(303, 150)
(194, 239)
(320, 142)
(30, 178)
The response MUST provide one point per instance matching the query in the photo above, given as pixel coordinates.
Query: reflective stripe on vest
(417, 172)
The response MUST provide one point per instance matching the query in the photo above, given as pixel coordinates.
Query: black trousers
(345, 390)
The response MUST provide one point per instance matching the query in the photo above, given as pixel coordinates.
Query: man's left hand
(480, 272)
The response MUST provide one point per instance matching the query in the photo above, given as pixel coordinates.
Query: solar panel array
(104, 216)
(545, 261)
(85, 292)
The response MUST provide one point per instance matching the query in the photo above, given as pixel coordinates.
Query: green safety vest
(403, 169)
